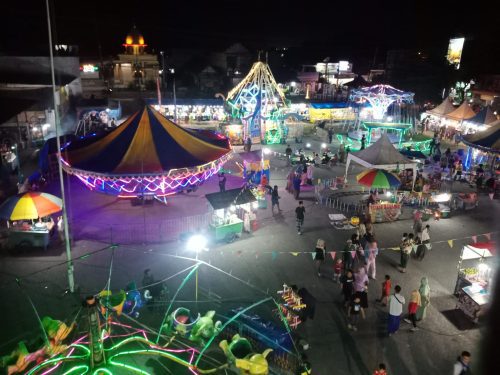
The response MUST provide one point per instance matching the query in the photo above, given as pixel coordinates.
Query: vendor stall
(384, 211)
(28, 235)
(475, 275)
(233, 213)
(253, 171)
(234, 132)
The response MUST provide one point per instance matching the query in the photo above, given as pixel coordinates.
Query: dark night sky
(340, 29)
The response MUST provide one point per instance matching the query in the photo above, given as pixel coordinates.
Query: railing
(149, 232)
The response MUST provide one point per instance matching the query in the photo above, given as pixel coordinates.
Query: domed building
(135, 67)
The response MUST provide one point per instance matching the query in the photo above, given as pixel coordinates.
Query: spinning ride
(258, 101)
(146, 155)
(380, 98)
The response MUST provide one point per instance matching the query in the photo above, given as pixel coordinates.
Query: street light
(196, 243)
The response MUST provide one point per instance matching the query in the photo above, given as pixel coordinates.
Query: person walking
(361, 286)
(421, 249)
(371, 252)
(319, 255)
(425, 299)
(346, 255)
(275, 199)
(347, 286)
(296, 185)
(386, 290)
(354, 310)
(363, 142)
(405, 247)
(413, 306)
(330, 135)
(417, 226)
(222, 182)
(462, 365)
(396, 303)
(426, 236)
(299, 216)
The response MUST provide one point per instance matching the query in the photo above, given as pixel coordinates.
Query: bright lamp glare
(308, 145)
(323, 145)
(197, 242)
(445, 197)
(266, 151)
(388, 193)
(482, 267)
(255, 205)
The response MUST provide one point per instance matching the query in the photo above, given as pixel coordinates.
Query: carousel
(147, 156)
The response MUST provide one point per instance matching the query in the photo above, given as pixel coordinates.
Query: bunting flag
(488, 236)
(474, 239)
(394, 248)
(353, 254)
(450, 242)
(256, 255)
(313, 255)
(332, 253)
(274, 255)
(294, 253)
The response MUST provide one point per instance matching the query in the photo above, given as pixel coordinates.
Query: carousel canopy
(464, 112)
(484, 117)
(443, 109)
(146, 143)
(487, 140)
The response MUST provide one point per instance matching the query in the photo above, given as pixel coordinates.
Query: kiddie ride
(113, 347)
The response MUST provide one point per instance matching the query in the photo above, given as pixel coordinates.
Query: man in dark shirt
(299, 215)
(222, 182)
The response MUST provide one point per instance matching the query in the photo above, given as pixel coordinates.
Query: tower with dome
(135, 66)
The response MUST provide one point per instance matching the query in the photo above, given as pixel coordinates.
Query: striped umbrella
(378, 178)
(30, 206)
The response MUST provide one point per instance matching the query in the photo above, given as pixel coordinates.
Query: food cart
(475, 275)
(232, 213)
(27, 234)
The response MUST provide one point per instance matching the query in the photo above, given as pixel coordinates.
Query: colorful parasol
(30, 206)
(378, 178)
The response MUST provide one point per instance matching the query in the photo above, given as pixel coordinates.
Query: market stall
(475, 275)
(232, 213)
(384, 211)
(28, 219)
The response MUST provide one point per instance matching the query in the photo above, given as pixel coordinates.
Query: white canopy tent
(382, 155)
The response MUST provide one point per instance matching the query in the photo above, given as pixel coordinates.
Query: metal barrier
(150, 232)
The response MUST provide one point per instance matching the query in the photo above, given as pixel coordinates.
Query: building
(486, 90)
(135, 68)
(324, 79)
(27, 109)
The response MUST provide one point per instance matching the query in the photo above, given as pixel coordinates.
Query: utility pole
(163, 74)
(71, 280)
(175, 97)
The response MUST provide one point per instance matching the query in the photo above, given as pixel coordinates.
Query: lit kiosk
(232, 211)
(475, 275)
(135, 67)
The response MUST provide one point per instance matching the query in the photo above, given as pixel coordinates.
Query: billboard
(455, 51)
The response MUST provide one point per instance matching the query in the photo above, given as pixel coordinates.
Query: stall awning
(478, 250)
(230, 197)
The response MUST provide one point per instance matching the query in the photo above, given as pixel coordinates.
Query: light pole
(197, 243)
(163, 73)
(71, 280)
(172, 71)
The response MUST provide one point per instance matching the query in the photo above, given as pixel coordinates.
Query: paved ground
(255, 267)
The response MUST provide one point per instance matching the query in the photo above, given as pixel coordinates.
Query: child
(415, 302)
(355, 309)
(386, 290)
(337, 270)
(381, 370)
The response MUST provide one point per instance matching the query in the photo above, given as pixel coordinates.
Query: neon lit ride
(147, 155)
(380, 98)
(258, 102)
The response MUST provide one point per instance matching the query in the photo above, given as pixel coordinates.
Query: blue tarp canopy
(330, 105)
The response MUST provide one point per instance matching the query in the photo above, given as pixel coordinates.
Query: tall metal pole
(71, 279)
(175, 99)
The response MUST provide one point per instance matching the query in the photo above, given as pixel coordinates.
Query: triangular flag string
(313, 255)
(474, 239)
(332, 253)
(295, 253)
(450, 242)
(488, 236)
(274, 255)
(353, 254)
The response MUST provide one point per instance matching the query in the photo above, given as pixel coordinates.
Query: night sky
(352, 30)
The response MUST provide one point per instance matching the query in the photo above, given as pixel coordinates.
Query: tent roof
(146, 143)
(484, 116)
(443, 109)
(486, 140)
(463, 112)
(230, 197)
(381, 153)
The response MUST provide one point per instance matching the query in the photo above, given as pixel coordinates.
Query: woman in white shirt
(396, 303)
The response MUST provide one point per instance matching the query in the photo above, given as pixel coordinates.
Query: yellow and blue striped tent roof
(146, 143)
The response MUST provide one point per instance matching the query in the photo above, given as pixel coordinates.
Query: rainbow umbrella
(378, 178)
(30, 206)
